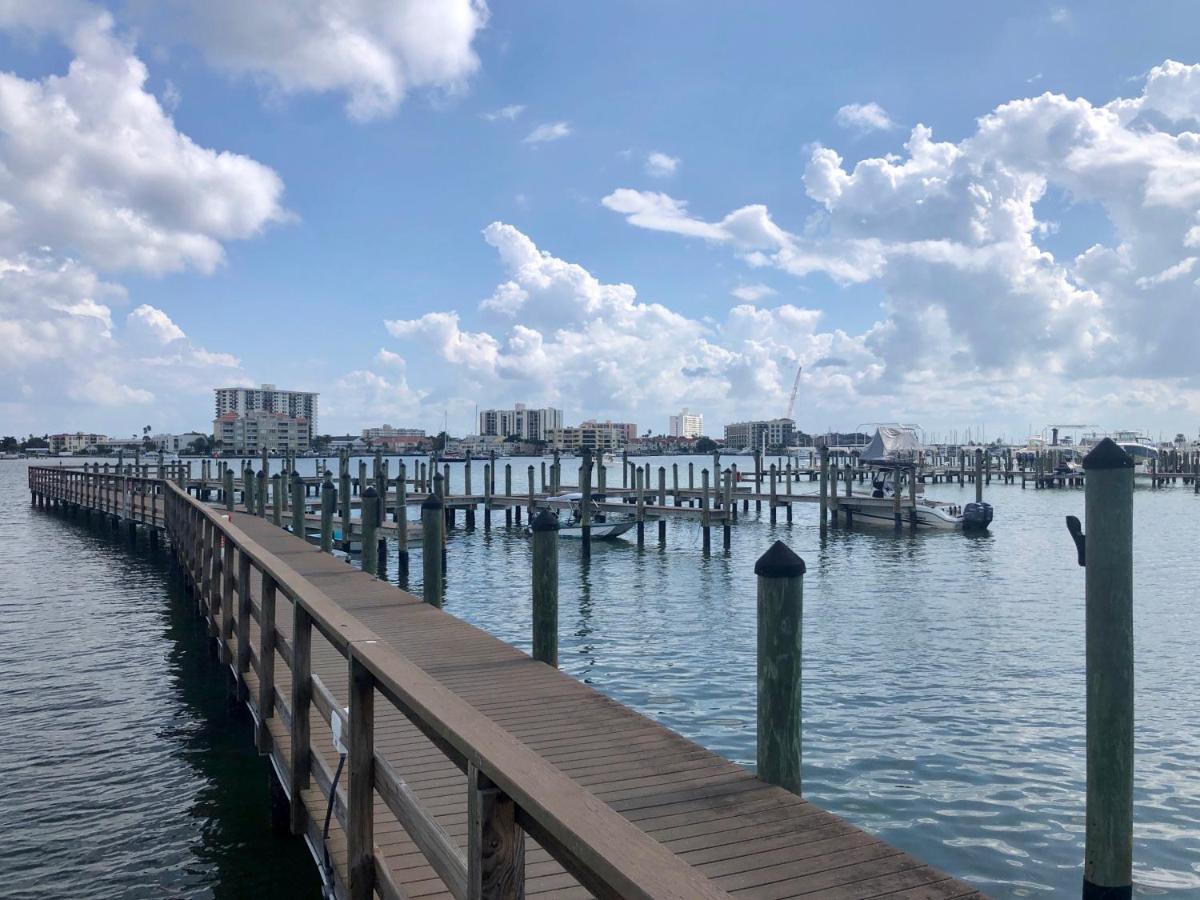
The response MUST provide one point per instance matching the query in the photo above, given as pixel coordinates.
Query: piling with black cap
(227, 488)
(545, 587)
(1108, 510)
(247, 489)
(344, 489)
(297, 505)
(328, 504)
(370, 530)
(979, 475)
(276, 500)
(585, 505)
(433, 524)
(780, 624)
(400, 517)
(824, 487)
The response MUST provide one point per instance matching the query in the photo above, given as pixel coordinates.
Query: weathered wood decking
(746, 837)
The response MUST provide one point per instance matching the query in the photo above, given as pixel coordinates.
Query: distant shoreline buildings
(757, 432)
(249, 420)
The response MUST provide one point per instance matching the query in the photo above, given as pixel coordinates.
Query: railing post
(266, 662)
(1108, 506)
(243, 624)
(360, 832)
(495, 843)
(780, 623)
(545, 587)
(433, 523)
(301, 705)
(225, 629)
(328, 503)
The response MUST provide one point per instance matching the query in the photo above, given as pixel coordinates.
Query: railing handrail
(605, 851)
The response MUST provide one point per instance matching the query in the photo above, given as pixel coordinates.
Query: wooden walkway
(739, 834)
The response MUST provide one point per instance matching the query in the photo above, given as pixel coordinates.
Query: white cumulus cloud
(548, 131)
(660, 165)
(374, 53)
(864, 117)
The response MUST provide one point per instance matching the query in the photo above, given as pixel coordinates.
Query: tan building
(598, 436)
(252, 431)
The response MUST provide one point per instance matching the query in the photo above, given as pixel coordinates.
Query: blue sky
(380, 217)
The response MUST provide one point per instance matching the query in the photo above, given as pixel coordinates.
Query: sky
(981, 216)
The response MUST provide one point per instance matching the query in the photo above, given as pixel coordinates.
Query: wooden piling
(328, 504)
(545, 587)
(276, 501)
(978, 476)
(227, 488)
(585, 506)
(433, 525)
(705, 525)
(639, 485)
(298, 505)
(487, 496)
(400, 517)
(824, 487)
(780, 658)
(1108, 508)
(369, 522)
(662, 502)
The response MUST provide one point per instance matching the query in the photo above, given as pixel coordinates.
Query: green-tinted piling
(780, 625)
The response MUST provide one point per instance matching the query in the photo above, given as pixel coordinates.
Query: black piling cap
(779, 562)
(544, 521)
(371, 492)
(1107, 455)
(275, 477)
(328, 482)
(433, 501)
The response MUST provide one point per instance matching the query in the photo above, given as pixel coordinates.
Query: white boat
(891, 456)
(603, 526)
(1138, 447)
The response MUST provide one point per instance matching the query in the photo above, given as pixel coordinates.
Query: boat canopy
(892, 445)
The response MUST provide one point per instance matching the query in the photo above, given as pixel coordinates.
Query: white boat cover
(892, 444)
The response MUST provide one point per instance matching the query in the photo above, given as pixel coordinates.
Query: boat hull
(605, 531)
(927, 517)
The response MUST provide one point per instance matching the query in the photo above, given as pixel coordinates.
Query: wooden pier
(472, 770)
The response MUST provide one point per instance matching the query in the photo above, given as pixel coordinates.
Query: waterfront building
(385, 437)
(687, 424)
(175, 443)
(74, 443)
(597, 436)
(267, 398)
(251, 432)
(754, 434)
(520, 422)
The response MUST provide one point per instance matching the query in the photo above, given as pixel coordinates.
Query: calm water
(943, 692)
(127, 772)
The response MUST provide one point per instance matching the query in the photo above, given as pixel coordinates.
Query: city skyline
(1014, 245)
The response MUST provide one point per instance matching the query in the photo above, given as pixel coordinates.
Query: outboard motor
(977, 516)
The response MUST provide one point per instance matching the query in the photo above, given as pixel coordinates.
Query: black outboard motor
(977, 516)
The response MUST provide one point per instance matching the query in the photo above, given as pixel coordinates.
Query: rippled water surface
(127, 773)
(943, 680)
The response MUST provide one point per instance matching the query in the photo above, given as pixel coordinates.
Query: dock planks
(753, 839)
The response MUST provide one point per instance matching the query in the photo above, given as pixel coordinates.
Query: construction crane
(795, 388)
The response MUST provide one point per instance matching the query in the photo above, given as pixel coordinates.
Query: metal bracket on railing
(1076, 530)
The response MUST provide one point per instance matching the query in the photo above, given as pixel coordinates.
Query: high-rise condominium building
(687, 424)
(270, 399)
(520, 421)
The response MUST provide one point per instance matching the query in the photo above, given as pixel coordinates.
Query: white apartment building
(382, 432)
(753, 434)
(520, 421)
(267, 398)
(687, 424)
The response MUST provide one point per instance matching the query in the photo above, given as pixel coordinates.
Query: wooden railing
(117, 492)
(511, 790)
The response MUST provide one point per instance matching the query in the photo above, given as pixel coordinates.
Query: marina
(462, 562)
